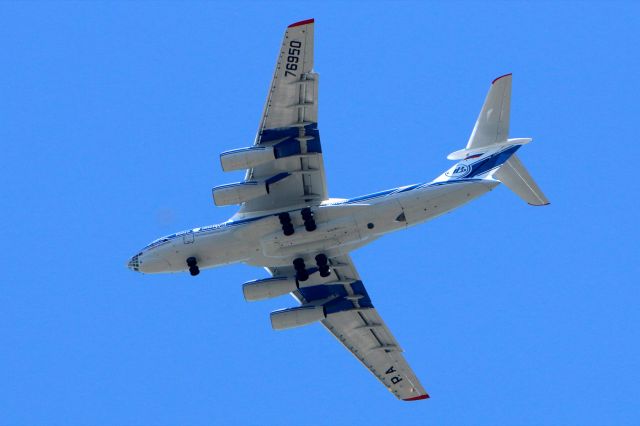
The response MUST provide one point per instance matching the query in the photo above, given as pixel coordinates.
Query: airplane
(287, 223)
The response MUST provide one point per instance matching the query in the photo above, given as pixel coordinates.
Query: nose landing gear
(192, 263)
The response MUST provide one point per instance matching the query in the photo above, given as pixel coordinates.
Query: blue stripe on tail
(489, 163)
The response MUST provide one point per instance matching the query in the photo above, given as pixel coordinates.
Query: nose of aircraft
(148, 263)
(134, 263)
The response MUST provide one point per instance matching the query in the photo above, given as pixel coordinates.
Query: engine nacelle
(268, 288)
(237, 193)
(246, 158)
(296, 317)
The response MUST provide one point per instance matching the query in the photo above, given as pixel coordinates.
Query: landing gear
(301, 269)
(323, 267)
(192, 263)
(309, 221)
(287, 226)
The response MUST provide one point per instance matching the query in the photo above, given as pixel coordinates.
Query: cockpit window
(157, 242)
(163, 240)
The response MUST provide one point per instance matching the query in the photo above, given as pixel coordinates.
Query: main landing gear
(192, 263)
(287, 226)
(323, 267)
(307, 217)
(309, 221)
(301, 270)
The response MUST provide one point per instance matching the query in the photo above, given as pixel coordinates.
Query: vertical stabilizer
(490, 154)
(492, 125)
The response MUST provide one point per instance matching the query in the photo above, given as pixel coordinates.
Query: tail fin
(492, 125)
(490, 154)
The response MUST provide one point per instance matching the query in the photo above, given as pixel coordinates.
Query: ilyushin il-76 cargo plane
(288, 224)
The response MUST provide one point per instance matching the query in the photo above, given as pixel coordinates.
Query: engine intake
(296, 317)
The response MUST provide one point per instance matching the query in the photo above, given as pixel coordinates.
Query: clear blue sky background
(112, 116)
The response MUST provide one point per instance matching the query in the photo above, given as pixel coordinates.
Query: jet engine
(268, 287)
(237, 193)
(296, 317)
(246, 158)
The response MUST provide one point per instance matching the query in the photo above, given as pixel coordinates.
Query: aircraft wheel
(288, 229)
(323, 268)
(284, 218)
(194, 270)
(287, 226)
(309, 221)
(301, 269)
(191, 262)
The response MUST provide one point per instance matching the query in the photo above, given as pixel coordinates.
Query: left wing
(289, 124)
(352, 319)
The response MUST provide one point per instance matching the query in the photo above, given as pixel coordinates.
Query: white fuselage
(342, 226)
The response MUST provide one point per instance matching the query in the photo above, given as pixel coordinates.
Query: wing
(290, 124)
(352, 319)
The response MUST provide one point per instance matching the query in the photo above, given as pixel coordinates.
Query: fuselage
(343, 225)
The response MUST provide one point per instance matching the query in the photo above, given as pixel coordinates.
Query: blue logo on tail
(460, 171)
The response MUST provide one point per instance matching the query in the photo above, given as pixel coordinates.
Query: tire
(191, 262)
(298, 264)
(194, 270)
(284, 218)
(302, 275)
(321, 260)
(288, 229)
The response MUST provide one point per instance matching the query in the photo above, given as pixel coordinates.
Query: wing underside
(352, 319)
(289, 124)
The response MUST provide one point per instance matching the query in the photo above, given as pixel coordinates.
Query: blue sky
(112, 116)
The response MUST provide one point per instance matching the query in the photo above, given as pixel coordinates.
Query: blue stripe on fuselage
(368, 197)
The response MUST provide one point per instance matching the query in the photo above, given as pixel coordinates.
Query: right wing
(352, 319)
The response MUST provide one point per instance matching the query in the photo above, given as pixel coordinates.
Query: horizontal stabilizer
(513, 174)
(463, 154)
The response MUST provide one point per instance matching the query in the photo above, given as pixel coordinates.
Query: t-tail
(490, 154)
